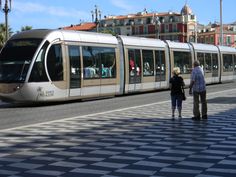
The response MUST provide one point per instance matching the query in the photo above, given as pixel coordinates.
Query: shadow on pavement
(222, 100)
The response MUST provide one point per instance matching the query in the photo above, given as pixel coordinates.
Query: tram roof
(142, 42)
(205, 47)
(68, 35)
(36, 33)
(178, 45)
(227, 49)
(90, 37)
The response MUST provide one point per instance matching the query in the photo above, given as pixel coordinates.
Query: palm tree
(2, 34)
(3, 38)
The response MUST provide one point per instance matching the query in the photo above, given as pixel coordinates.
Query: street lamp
(221, 25)
(6, 9)
(96, 13)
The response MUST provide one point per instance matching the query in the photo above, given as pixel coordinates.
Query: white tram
(58, 65)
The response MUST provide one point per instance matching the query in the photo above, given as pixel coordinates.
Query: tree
(2, 35)
(26, 28)
(108, 31)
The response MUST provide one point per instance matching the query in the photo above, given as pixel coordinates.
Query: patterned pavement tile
(141, 141)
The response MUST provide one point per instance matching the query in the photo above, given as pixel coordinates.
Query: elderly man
(198, 89)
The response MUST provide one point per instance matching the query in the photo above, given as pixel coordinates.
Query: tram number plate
(49, 93)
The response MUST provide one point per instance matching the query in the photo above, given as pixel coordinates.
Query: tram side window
(183, 60)
(55, 63)
(227, 62)
(215, 62)
(135, 70)
(75, 66)
(148, 63)
(208, 63)
(134, 62)
(160, 66)
(200, 58)
(108, 62)
(38, 73)
(99, 62)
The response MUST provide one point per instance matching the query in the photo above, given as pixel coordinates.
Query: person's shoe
(180, 117)
(196, 118)
(204, 117)
(173, 117)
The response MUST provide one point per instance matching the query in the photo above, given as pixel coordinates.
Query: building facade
(173, 26)
(210, 34)
(166, 26)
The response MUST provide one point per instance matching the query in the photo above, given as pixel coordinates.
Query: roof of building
(186, 10)
(81, 27)
(141, 15)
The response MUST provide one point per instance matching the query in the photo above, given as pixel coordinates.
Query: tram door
(134, 69)
(75, 70)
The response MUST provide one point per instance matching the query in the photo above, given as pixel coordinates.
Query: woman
(176, 86)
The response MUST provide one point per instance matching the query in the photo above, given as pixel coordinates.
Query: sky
(53, 14)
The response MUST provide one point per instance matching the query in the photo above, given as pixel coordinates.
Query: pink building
(211, 35)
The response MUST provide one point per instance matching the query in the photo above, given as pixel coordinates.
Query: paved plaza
(134, 142)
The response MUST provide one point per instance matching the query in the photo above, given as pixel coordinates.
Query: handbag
(183, 94)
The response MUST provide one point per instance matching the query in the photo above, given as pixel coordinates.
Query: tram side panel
(99, 70)
(146, 64)
(48, 78)
(182, 56)
(227, 67)
(227, 55)
(209, 58)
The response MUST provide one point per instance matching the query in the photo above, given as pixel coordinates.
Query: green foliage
(26, 28)
(108, 31)
(3, 38)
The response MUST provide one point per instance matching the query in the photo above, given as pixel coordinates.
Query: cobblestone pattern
(134, 142)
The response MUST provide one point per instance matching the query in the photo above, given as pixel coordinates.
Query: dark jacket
(177, 83)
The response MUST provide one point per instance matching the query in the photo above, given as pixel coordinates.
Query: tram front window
(15, 59)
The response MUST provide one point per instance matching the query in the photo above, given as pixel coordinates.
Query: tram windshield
(15, 59)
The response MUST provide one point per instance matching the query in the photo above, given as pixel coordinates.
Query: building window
(228, 40)
(136, 30)
(149, 20)
(167, 28)
(174, 27)
(212, 40)
(192, 17)
(145, 30)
